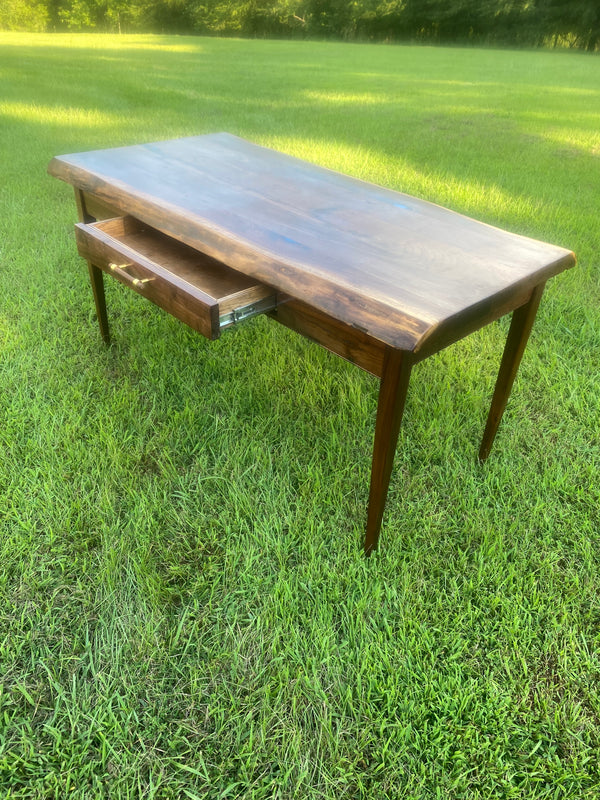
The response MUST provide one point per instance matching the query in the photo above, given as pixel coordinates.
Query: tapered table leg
(97, 281)
(96, 276)
(518, 334)
(392, 396)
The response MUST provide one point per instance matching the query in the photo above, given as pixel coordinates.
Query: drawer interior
(236, 296)
(205, 273)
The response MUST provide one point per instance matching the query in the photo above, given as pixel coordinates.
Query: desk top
(401, 269)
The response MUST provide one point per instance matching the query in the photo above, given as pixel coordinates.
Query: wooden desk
(215, 229)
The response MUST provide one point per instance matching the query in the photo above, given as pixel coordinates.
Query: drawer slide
(243, 313)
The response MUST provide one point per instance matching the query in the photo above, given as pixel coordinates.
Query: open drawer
(202, 292)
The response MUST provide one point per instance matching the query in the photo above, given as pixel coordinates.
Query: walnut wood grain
(343, 340)
(397, 268)
(95, 209)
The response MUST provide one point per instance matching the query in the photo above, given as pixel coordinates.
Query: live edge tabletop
(379, 277)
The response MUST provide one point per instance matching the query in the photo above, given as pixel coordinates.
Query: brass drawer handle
(122, 270)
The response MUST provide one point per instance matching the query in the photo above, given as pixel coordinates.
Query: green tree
(23, 15)
(166, 16)
(329, 17)
(110, 15)
(538, 22)
(577, 21)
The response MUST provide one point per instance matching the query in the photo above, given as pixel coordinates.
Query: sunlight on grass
(337, 98)
(360, 161)
(62, 115)
(586, 142)
(474, 197)
(99, 41)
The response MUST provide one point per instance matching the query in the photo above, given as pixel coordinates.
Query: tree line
(573, 23)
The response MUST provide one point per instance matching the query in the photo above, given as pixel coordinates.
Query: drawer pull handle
(122, 268)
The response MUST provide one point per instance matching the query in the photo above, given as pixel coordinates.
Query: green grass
(185, 611)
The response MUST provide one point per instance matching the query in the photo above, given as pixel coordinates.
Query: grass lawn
(185, 610)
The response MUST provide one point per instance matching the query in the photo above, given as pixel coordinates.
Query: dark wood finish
(475, 318)
(392, 396)
(378, 277)
(95, 273)
(343, 340)
(518, 334)
(393, 266)
(189, 285)
(82, 212)
(97, 283)
(96, 209)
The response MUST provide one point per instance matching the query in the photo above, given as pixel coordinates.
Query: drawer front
(199, 291)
